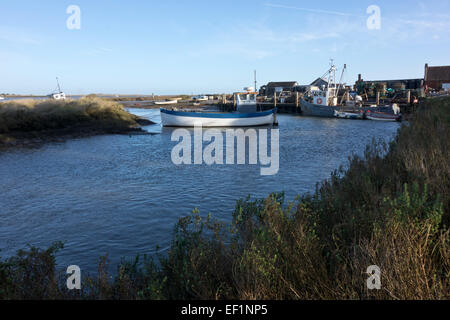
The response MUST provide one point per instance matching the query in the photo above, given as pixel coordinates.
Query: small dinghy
(166, 102)
(382, 116)
(349, 114)
(246, 115)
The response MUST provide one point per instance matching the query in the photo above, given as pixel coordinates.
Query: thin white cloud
(273, 5)
(436, 25)
(436, 22)
(97, 51)
(18, 36)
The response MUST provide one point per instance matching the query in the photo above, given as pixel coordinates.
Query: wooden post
(275, 99)
(296, 99)
(378, 98)
(408, 96)
(234, 100)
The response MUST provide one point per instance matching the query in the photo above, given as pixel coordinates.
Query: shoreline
(32, 123)
(36, 139)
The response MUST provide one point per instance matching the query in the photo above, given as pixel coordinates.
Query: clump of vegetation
(33, 122)
(37, 115)
(390, 209)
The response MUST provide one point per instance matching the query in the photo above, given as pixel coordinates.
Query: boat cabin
(246, 101)
(325, 97)
(58, 96)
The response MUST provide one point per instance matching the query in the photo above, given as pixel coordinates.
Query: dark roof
(284, 84)
(438, 73)
(319, 82)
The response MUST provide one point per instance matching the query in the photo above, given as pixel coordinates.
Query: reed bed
(37, 115)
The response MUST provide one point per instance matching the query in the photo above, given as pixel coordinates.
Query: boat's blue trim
(219, 115)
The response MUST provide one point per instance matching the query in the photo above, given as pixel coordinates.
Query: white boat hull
(58, 96)
(166, 102)
(380, 116)
(190, 119)
(348, 115)
(381, 119)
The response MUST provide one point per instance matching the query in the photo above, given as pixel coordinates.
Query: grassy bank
(390, 209)
(26, 121)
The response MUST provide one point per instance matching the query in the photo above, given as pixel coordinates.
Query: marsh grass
(38, 115)
(390, 208)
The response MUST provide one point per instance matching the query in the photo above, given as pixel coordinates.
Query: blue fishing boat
(246, 115)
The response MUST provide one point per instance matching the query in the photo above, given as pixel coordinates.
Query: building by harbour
(372, 86)
(278, 87)
(437, 78)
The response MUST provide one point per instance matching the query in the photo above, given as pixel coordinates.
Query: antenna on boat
(342, 76)
(255, 82)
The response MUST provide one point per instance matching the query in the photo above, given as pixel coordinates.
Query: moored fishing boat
(317, 110)
(246, 115)
(325, 101)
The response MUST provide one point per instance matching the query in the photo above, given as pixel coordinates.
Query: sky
(195, 47)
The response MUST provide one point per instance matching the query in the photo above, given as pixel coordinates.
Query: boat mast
(59, 88)
(332, 79)
(342, 76)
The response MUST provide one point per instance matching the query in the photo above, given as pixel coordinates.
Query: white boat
(382, 116)
(58, 95)
(349, 114)
(246, 115)
(1, 98)
(172, 118)
(200, 98)
(174, 101)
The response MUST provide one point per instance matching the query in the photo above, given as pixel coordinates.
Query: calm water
(122, 195)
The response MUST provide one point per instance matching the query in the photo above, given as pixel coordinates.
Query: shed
(272, 87)
(436, 77)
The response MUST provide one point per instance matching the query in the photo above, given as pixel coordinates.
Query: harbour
(126, 167)
(325, 97)
(259, 153)
(124, 193)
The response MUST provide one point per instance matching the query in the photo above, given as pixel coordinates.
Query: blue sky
(163, 47)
